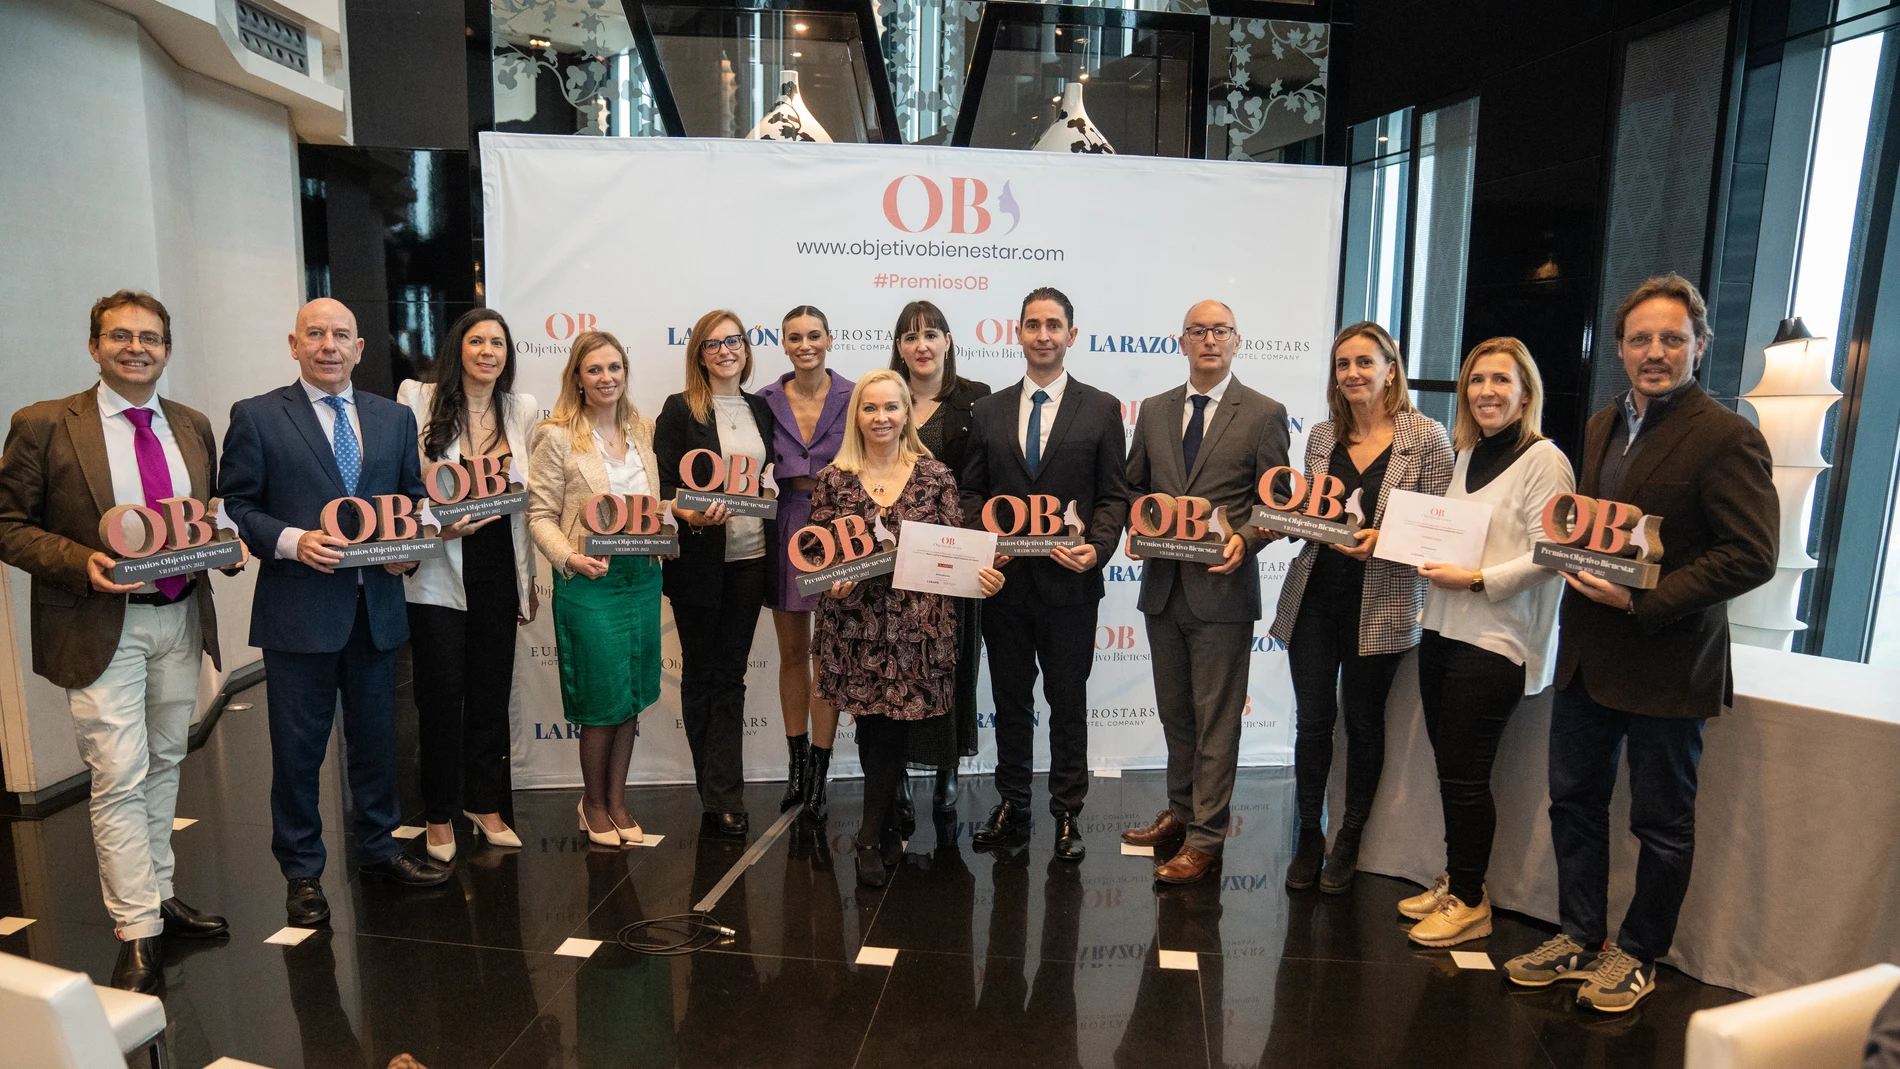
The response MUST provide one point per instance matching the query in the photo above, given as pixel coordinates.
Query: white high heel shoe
(444, 853)
(598, 838)
(505, 837)
(630, 834)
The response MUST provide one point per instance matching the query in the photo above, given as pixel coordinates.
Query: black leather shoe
(139, 967)
(906, 809)
(817, 770)
(872, 871)
(944, 799)
(1069, 838)
(732, 825)
(797, 753)
(1006, 822)
(305, 903)
(1340, 862)
(187, 923)
(1308, 858)
(408, 871)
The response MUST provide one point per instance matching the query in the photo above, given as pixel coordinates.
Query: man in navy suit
(1048, 434)
(324, 631)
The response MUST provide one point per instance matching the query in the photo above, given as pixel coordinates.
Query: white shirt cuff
(287, 543)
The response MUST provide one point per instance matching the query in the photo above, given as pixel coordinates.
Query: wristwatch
(1477, 582)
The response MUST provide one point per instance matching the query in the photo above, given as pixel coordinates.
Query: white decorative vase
(1072, 131)
(788, 119)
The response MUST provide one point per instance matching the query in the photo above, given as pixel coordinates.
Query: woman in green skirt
(606, 609)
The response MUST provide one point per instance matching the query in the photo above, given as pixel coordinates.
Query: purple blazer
(793, 458)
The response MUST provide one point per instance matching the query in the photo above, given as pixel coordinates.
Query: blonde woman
(887, 657)
(606, 609)
(1346, 618)
(1490, 633)
(727, 564)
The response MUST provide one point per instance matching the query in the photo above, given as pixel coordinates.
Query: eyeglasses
(1217, 333)
(146, 338)
(1671, 341)
(731, 342)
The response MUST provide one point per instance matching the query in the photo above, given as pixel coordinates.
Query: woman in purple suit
(809, 402)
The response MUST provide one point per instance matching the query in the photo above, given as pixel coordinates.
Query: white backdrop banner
(641, 236)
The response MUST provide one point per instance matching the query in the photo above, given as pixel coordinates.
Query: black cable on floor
(682, 933)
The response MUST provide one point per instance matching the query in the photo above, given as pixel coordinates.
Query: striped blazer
(1422, 462)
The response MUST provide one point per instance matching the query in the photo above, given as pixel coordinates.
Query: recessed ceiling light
(798, 55)
(800, 27)
(1382, 138)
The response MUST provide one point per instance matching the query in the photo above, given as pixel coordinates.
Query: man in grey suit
(1211, 438)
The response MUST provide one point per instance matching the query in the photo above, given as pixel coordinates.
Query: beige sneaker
(1420, 906)
(1454, 923)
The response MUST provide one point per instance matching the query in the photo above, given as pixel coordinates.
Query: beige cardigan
(561, 479)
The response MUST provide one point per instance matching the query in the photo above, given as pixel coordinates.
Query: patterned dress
(887, 652)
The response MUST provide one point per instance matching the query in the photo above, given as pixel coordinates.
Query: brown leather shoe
(1165, 829)
(1186, 866)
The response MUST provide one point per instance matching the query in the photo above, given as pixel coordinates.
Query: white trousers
(134, 726)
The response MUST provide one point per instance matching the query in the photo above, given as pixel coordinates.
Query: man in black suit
(1649, 666)
(1048, 434)
(325, 632)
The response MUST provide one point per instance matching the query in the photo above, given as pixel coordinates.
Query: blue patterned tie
(1032, 443)
(349, 454)
(1197, 425)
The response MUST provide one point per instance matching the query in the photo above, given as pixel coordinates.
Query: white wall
(123, 169)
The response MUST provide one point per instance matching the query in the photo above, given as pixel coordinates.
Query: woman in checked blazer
(1347, 618)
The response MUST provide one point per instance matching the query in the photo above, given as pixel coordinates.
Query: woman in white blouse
(465, 605)
(1490, 634)
(606, 609)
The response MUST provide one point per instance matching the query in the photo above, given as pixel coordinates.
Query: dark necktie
(1197, 425)
(155, 478)
(1032, 442)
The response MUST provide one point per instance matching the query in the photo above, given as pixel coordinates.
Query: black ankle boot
(1303, 873)
(872, 871)
(1340, 862)
(817, 768)
(945, 798)
(797, 750)
(906, 809)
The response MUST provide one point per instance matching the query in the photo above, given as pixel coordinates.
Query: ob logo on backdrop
(916, 203)
(562, 326)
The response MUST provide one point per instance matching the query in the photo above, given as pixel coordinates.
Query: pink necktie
(155, 475)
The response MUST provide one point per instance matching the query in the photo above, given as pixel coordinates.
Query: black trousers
(715, 641)
(1585, 742)
(1469, 695)
(1062, 639)
(881, 746)
(1327, 672)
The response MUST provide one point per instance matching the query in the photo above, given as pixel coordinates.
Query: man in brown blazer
(1642, 669)
(127, 654)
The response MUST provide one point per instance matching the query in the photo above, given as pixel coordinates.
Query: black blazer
(1085, 462)
(696, 575)
(957, 421)
(1706, 471)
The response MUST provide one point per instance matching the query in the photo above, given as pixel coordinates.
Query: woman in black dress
(887, 656)
(925, 355)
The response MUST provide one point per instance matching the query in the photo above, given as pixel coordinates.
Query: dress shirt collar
(1657, 408)
(1219, 390)
(112, 404)
(1054, 389)
(316, 396)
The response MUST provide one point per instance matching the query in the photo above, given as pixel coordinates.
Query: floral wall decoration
(1269, 88)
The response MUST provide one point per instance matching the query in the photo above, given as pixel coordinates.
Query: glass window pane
(1441, 405)
(1376, 197)
(726, 66)
(1447, 159)
(567, 75)
(1132, 83)
(1840, 145)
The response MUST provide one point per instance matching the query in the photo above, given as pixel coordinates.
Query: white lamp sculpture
(1790, 403)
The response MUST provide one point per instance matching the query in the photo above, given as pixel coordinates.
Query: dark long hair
(448, 411)
(922, 314)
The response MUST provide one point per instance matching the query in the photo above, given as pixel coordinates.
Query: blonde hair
(1465, 433)
(850, 456)
(570, 409)
(1398, 397)
(699, 392)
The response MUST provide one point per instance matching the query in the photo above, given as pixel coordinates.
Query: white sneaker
(1454, 923)
(1420, 906)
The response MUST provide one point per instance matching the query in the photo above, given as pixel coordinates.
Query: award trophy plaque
(629, 525)
(1034, 529)
(387, 532)
(733, 484)
(1176, 528)
(848, 552)
(1310, 511)
(183, 538)
(1609, 539)
(478, 487)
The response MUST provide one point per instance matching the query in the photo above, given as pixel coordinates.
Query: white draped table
(1797, 866)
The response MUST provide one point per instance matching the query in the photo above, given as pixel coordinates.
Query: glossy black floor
(1003, 961)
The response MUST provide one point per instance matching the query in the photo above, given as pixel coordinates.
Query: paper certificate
(1424, 529)
(935, 559)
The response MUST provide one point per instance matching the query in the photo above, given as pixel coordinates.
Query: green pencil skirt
(609, 635)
